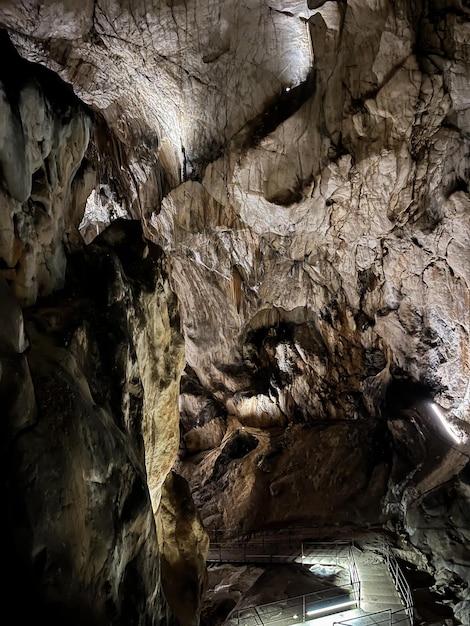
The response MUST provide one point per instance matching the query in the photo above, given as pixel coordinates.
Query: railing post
(304, 610)
(259, 617)
(400, 582)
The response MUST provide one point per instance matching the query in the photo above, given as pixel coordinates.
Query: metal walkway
(381, 604)
(366, 595)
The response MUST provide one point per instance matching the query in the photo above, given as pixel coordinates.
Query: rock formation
(300, 173)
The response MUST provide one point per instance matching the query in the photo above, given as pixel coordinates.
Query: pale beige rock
(205, 437)
(40, 157)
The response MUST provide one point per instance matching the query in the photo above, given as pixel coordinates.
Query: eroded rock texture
(183, 540)
(305, 168)
(89, 379)
(78, 435)
(79, 531)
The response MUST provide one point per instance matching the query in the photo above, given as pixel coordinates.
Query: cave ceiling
(305, 168)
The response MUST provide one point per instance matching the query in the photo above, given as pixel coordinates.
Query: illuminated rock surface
(300, 172)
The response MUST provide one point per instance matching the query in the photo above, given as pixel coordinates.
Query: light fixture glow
(332, 608)
(448, 427)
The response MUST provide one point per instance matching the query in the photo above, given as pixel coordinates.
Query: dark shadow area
(276, 112)
(238, 445)
(403, 393)
(16, 72)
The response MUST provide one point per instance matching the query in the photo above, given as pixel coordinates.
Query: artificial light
(332, 608)
(448, 427)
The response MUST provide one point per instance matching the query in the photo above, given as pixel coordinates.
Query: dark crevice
(403, 394)
(455, 185)
(277, 112)
(135, 501)
(17, 72)
(239, 445)
(194, 166)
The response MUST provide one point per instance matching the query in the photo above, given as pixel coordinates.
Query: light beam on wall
(449, 428)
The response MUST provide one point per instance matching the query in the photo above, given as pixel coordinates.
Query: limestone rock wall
(317, 476)
(325, 170)
(79, 531)
(184, 544)
(438, 527)
(91, 355)
(352, 212)
(44, 134)
(304, 165)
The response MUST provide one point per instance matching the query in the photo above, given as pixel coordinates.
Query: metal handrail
(296, 608)
(246, 552)
(400, 582)
(354, 576)
(334, 549)
(331, 548)
(263, 552)
(381, 618)
(301, 607)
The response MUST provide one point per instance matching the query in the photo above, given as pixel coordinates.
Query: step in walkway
(380, 603)
(378, 591)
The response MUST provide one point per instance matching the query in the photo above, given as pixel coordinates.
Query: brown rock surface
(80, 530)
(261, 478)
(184, 545)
